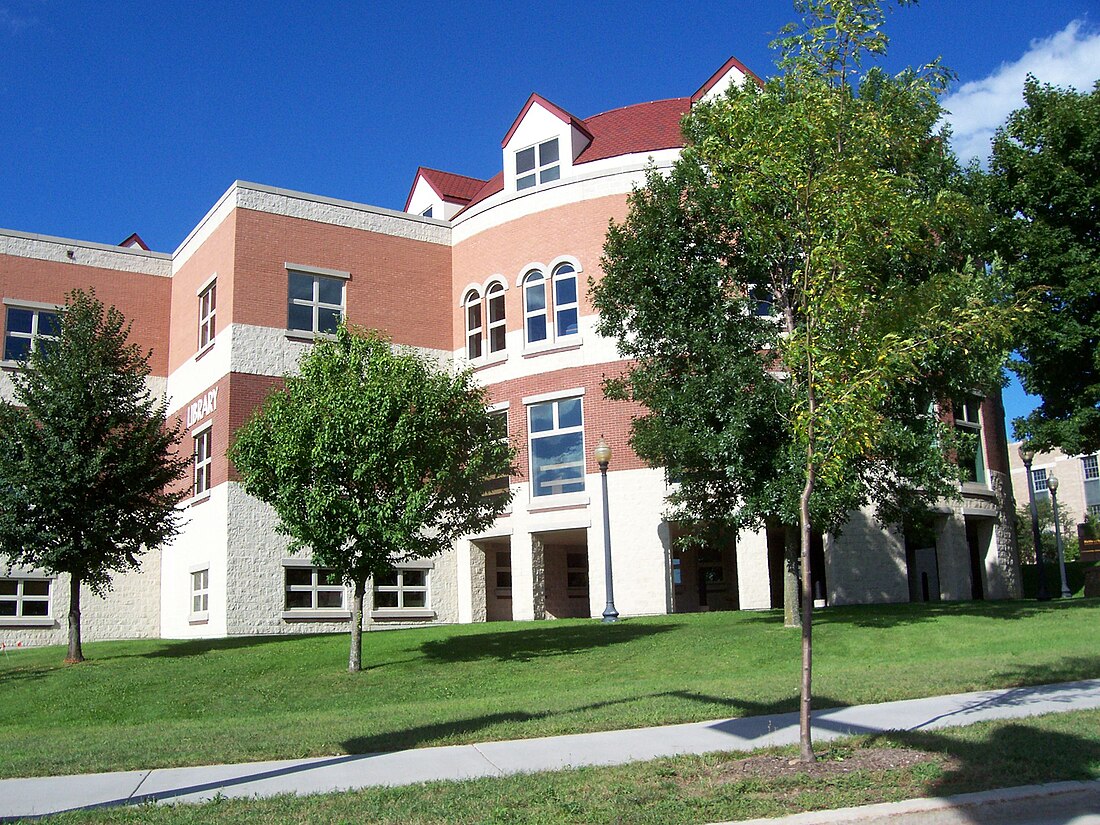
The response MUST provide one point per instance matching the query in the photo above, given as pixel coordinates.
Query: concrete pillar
(753, 580)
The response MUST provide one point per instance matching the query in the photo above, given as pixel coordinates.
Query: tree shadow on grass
(527, 644)
(197, 647)
(1013, 755)
(470, 729)
(896, 615)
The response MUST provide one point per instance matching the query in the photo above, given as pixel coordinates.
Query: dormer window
(537, 164)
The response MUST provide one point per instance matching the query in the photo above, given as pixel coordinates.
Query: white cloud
(1069, 58)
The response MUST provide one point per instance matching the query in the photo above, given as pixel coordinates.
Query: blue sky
(135, 116)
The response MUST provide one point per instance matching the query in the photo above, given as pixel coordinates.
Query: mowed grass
(166, 703)
(687, 789)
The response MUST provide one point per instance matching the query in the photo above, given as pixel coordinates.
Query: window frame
(556, 430)
(208, 312)
(200, 594)
(475, 335)
(494, 296)
(202, 476)
(533, 279)
(36, 308)
(961, 416)
(1090, 467)
(541, 172)
(562, 273)
(401, 588)
(316, 305)
(1039, 479)
(20, 618)
(314, 588)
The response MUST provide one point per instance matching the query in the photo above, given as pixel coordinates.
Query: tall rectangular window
(1039, 482)
(26, 327)
(315, 303)
(200, 591)
(499, 422)
(1090, 467)
(537, 164)
(494, 299)
(557, 447)
(313, 588)
(203, 442)
(971, 456)
(24, 598)
(208, 305)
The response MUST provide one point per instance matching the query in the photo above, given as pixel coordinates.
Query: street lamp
(1027, 456)
(1052, 485)
(603, 458)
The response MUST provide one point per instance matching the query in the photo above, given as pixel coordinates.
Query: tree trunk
(805, 741)
(76, 652)
(355, 658)
(791, 615)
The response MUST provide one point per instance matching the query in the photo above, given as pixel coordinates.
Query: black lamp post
(1027, 456)
(603, 458)
(1052, 485)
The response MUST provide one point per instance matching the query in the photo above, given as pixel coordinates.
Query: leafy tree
(1045, 192)
(838, 210)
(1047, 539)
(89, 467)
(371, 457)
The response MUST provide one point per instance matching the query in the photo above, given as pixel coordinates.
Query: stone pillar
(538, 578)
(473, 589)
(753, 579)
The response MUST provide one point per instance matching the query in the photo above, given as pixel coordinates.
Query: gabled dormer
(541, 145)
(441, 195)
(732, 72)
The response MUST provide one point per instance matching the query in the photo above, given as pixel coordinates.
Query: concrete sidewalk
(44, 795)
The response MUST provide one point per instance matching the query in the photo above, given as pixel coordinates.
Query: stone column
(538, 577)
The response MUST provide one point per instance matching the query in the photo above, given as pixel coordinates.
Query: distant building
(1078, 480)
(492, 273)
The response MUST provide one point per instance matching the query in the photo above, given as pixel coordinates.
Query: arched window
(534, 306)
(565, 301)
(494, 299)
(472, 305)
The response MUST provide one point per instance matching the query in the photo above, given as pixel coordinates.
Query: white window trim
(545, 312)
(18, 620)
(488, 324)
(1095, 467)
(208, 322)
(35, 307)
(471, 300)
(315, 303)
(553, 341)
(560, 498)
(556, 395)
(201, 432)
(575, 305)
(312, 613)
(425, 612)
(539, 168)
(199, 616)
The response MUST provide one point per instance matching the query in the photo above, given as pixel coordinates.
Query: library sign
(200, 409)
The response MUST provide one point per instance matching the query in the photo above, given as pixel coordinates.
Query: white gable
(732, 76)
(538, 126)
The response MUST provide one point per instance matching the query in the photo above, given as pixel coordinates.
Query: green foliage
(1044, 188)
(89, 467)
(372, 456)
(1047, 539)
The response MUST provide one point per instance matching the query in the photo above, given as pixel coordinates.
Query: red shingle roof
(449, 186)
(643, 127)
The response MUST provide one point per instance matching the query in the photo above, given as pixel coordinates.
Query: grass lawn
(161, 703)
(693, 789)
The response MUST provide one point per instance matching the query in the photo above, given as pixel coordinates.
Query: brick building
(487, 272)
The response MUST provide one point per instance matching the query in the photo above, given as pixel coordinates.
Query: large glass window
(971, 457)
(315, 304)
(499, 422)
(313, 588)
(401, 589)
(472, 304)
(565, 301)
(25, 330)
(557, 447)
(494, 299)
(537, 164)
(534, 307)
(24, 598)
(208, 305)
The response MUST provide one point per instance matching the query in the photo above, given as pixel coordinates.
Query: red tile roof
(449, 186)
(643, 127)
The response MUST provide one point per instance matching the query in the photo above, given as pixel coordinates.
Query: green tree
(1048, 540)
(1045, 192)
(89, 469)
(371, 457)
(828, 200)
